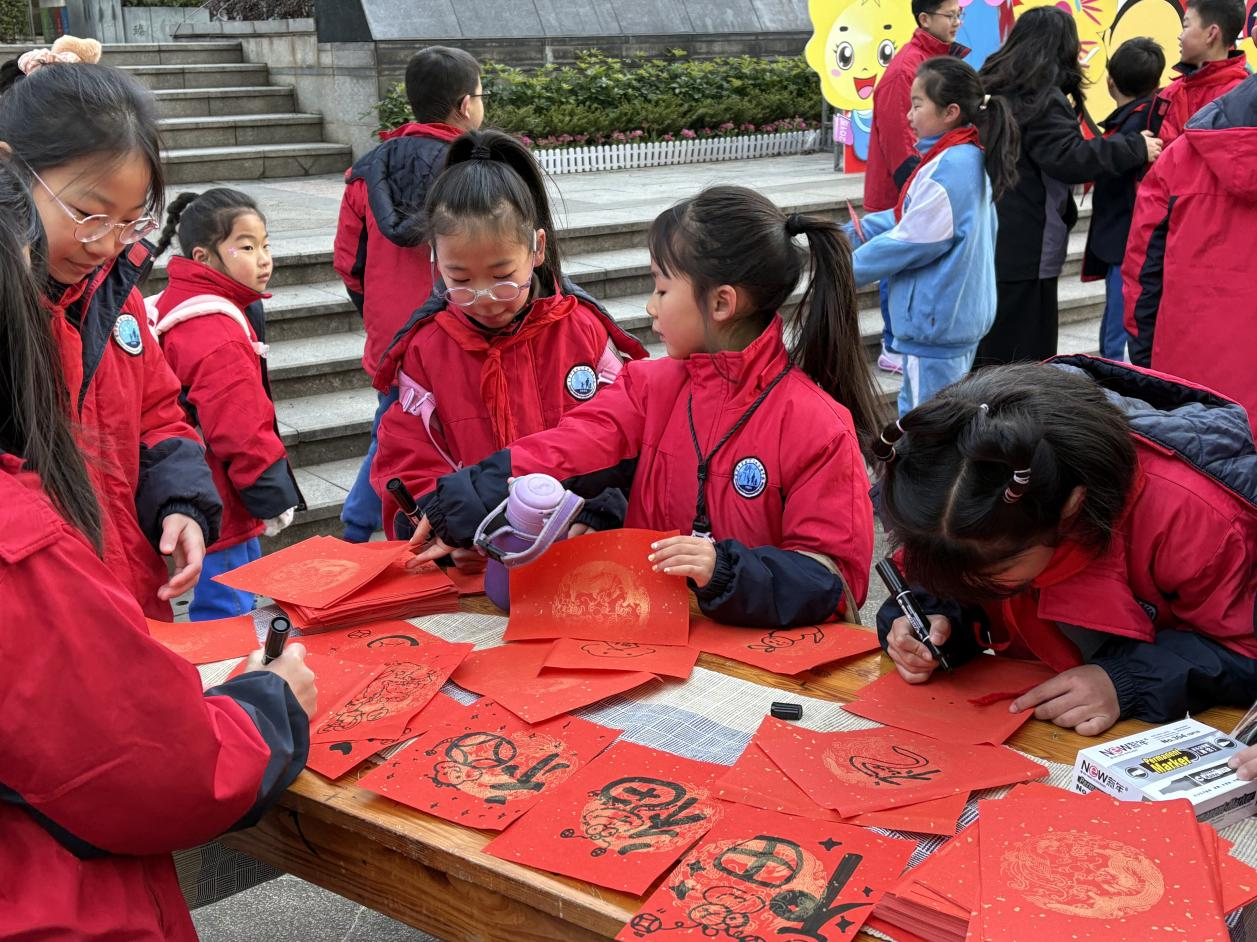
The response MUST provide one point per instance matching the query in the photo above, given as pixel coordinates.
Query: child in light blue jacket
(937, 247)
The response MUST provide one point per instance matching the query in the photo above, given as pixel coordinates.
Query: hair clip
(984, 408)
(986, 100)
(1017, 489)
(481, 152)
(884, 447)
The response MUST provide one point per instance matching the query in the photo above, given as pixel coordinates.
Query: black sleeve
(1180, 672)
(461, 500)
(1151, 283)
(1055, 143)
(284, 726)
(961, 645)
(767, 587)
(272, 493)
(174, 478)
(605, 511)
(904, 170)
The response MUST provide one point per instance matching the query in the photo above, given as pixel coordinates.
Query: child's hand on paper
(426, 546)
(291, 665)
(1082, 699)
(692, 557)
(468, 560)
(578, 529)
(1245, 763)
(912, 658)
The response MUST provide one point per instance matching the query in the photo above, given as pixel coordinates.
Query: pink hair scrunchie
(36, 59)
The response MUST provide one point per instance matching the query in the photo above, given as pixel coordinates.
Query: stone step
(240, 130)
(203, 164)
(328, 427)
(316, 365)
(139, 54)
(221, 102)
(299, 260)
(217, 75)
(297, 312)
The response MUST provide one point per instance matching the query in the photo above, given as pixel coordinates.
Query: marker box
(1186, 759)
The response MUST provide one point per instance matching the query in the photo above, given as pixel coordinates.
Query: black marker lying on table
(401, 494)
(911, 609)
(276, 637)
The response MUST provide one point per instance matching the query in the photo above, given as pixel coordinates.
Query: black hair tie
(884, 447)
(481, 152)
(796, 224)
(1018, 487)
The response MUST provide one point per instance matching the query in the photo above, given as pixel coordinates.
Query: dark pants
(1025, 323)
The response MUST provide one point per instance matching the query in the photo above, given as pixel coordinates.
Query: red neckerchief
(442, 132)
(953, 138)
(494, 388)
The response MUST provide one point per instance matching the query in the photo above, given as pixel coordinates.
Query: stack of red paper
(323, 582)
(1045, 863)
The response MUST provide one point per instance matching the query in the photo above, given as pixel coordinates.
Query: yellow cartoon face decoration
(852, 43)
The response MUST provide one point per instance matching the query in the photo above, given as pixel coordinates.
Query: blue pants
(361, 513)
(1113, 334)
(924, 376)
(211, 599)
(883, 296)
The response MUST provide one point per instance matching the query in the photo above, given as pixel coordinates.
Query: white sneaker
(890, 362)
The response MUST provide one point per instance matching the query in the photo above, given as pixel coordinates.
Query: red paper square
(762, 875)
(619, 822)
(1070, 868)
(874, 769)
(380, 642)
(511, 674)
(484, 767)
(784, 650)
(670, 660)
(315, 572)
(599, 587)
(467, 583)
(206, 642)
(944, 707)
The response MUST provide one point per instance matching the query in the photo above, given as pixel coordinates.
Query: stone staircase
(221, 119)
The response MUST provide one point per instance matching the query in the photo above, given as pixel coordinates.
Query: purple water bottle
(537, 513)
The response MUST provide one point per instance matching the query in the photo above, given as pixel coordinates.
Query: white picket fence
(667, 153)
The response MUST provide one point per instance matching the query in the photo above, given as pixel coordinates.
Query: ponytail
(947, 80)
(173, 212)
(730, 235)
(205, 220)
(492, 179)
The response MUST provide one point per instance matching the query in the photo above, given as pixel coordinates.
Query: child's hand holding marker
(693, 557)
(912, 658)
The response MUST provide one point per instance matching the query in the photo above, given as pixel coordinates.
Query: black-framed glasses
(94, 228)
(481, 94)
(957, 17)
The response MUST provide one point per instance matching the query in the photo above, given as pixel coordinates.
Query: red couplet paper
(484, 767)
(875, 769)
(763, 875)
(967, 706)
(599, 587)
(668, 659)
(397, 592)
(784, 650)
(619, 822)
(380, 642)
(511, 675)
(315, 572)
(205, 642)
(1066, 867)
(467, 583)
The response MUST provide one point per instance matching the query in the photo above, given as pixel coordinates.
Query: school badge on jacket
(582, 382)
(126, 331)
(750, 477)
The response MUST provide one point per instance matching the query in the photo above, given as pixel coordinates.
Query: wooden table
(434, 875)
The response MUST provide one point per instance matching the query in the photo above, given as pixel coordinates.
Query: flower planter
(667, 153)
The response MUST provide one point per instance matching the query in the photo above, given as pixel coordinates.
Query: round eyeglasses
(93, 228)
(502, 291)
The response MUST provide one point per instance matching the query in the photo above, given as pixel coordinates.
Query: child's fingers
(913, 677)
(673, 563)
(1048, 690)
(1072, 717)
(437, 550)
(696, 572)
(1095, 725)
(668, 549)
(422, 534)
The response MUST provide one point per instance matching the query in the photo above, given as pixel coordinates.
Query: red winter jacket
(110, 756)
(1189, 288)
(1194, 88)
(465, 394)
(217, 356)
(891, 141)
(379, 252)
(146, 462)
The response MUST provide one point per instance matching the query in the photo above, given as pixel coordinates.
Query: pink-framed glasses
(93, 228)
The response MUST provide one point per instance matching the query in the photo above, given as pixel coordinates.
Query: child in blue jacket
(937, 247)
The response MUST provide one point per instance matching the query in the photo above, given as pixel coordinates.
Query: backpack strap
(416, 400)
(199, 306)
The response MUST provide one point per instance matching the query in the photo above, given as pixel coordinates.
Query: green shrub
(15, 19)
(600, 99)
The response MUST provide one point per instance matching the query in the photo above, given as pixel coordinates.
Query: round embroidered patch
(126, 331)
(749, 477)
(582, 382)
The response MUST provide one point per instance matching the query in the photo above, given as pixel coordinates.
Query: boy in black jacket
(1134, 73)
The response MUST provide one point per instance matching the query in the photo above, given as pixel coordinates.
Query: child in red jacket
(506, 347)
(211, 327)
(380, 252)
(1089, 514)
(1210, 65)
(749, 447)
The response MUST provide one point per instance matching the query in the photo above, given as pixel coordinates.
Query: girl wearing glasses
(505, 347)
(87, 135)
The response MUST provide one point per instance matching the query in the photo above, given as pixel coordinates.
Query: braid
(173, 212)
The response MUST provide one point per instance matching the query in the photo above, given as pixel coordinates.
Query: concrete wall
(159, 24)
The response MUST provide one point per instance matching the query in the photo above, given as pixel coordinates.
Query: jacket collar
(932, 45)
(190, 277)
(1217, 71)
(442, 132)
(1122, 112)
(751, 368)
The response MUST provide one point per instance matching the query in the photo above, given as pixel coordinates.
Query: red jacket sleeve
(108, 740)
(893, 134)
(349, 251)
(1143, 269)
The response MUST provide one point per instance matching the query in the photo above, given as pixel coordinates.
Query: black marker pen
(276, 638)
(911, 608)
(401, 494)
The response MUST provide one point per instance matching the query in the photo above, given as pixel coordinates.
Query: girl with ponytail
(936, 248)
(1088, 514)
(747, 445)
(505, 345)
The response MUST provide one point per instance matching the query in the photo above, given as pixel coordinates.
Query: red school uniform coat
(1194, 88)
(379, 252)
(145, 461)
(466, 394)
(217, 356)
(110, 755)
